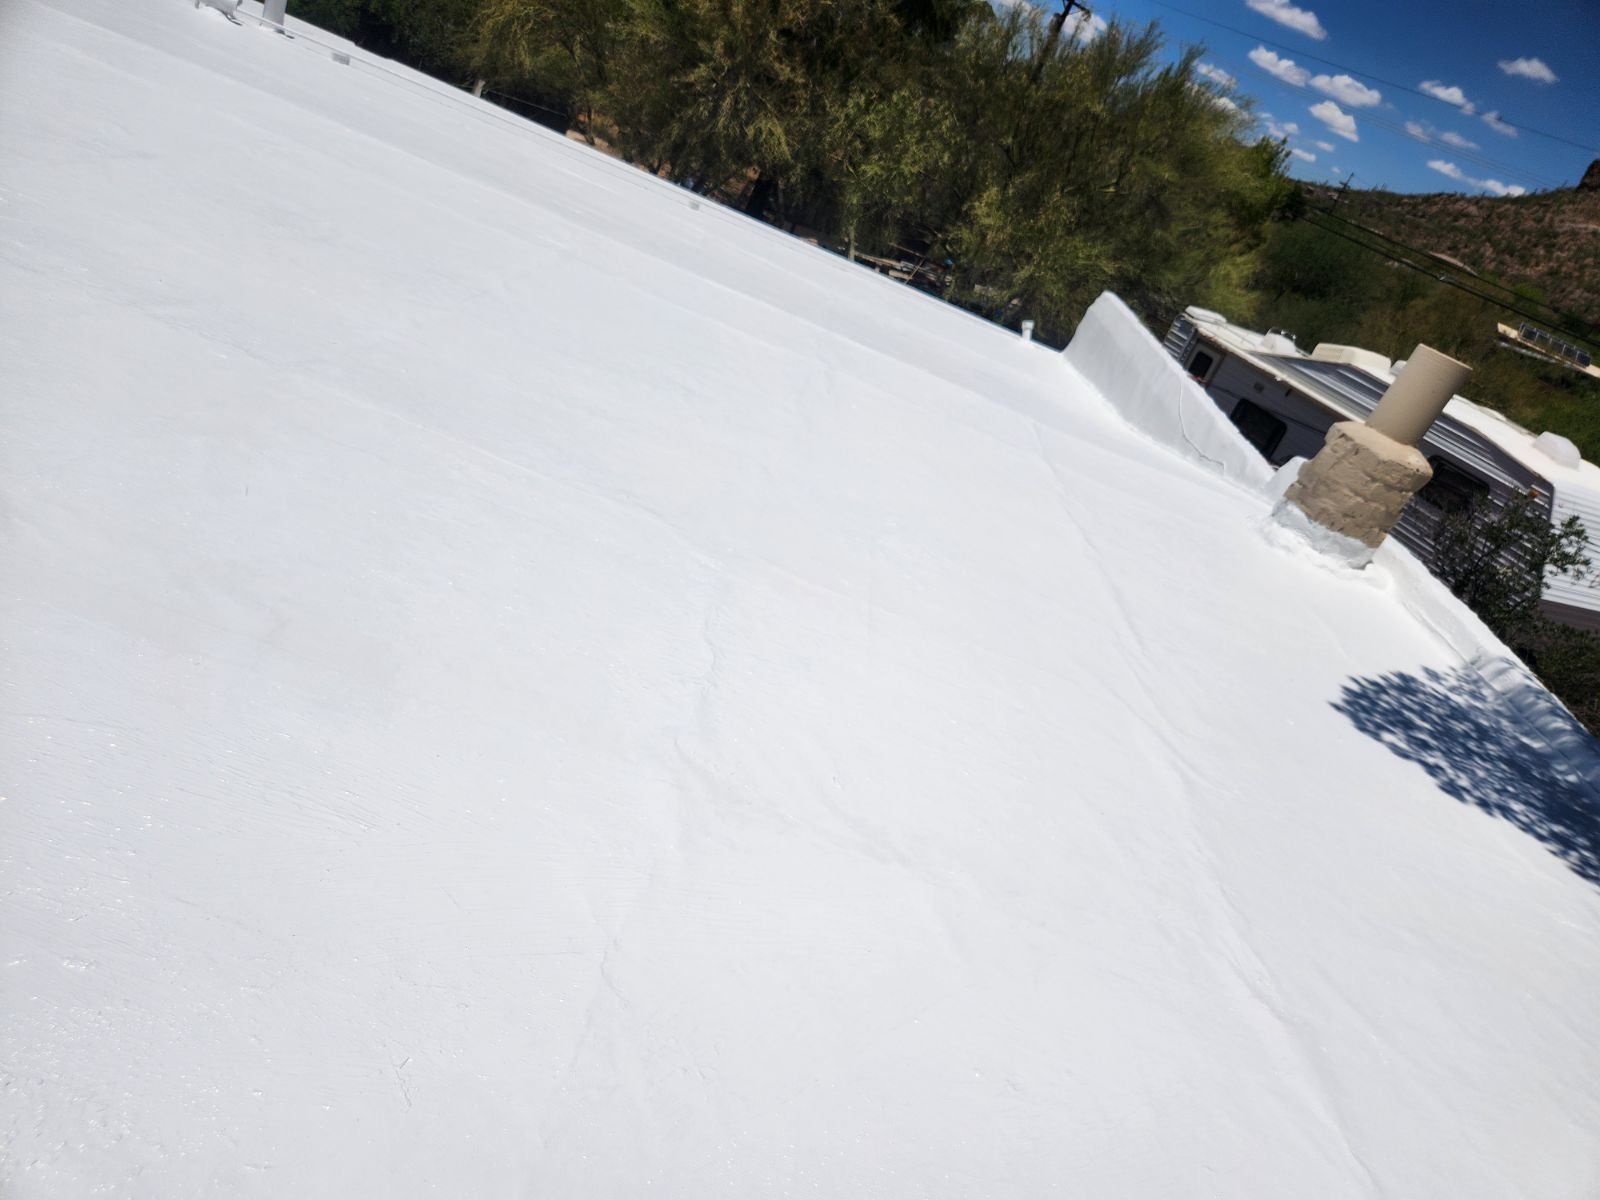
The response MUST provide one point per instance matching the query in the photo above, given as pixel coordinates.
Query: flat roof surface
(519, 682)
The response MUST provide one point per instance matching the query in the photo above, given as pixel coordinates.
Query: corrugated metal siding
(1354, 389)
(1583, 593)
(1179, 337)
(1570, 614)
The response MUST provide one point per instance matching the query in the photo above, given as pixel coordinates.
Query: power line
(1505, 168)
(555, 112)
(1554, 312)
(1543, 181)
(1328, 62)
(1432, 273)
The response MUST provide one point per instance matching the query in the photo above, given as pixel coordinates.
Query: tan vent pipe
(1418, 395)
(1360, 481)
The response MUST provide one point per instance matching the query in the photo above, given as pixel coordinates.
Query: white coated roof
(519, 682)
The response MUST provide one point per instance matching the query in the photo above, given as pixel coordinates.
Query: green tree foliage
(1568, 661)
(1304, 262)
(560, 50)
(891, 152)
(1041, 170)
(1496, 559)
(1041, 173)
(427, 34)
(1097, 166)
(715, 88)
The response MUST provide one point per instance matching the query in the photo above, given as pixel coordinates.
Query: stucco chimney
(1362, 478)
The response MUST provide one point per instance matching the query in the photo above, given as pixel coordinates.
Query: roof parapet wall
(1121, 360)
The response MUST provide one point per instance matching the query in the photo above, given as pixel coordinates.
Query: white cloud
(1079, 26)
(1336, 119)
(1492, 186)
(1427, 133)
(1302, 20)
(1326, 147)
(1222, 102)
(1216, 74)
(1500, 189)
(1302, 155)
(1493, 121)
(1280, 132)
(1449, 93)
(1282, 68)
(1084, 27)
(1347, 90)
(1528, 68)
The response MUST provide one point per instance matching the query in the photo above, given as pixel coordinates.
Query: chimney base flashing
(1333, 547)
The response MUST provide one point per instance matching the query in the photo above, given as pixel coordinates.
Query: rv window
(1451, 489)
(1201, 364)
(1260, 428)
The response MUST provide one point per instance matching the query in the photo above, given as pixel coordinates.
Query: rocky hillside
(1548, 241)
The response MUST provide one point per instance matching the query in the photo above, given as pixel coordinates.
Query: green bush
(1496, 559)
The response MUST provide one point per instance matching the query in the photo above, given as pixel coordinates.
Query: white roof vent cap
(1352, 356)
(1554, 446)
(1279, 343)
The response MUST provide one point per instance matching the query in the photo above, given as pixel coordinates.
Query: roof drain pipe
(1347, 499)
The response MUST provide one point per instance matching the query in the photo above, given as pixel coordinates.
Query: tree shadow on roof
(1469, 738)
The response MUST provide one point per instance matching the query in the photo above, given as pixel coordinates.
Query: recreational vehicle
(1536, 343)
(1283, 401)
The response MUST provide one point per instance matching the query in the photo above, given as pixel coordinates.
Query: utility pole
(1343, 188)
(1054, 36)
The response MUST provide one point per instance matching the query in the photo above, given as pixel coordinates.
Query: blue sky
(1496, 73)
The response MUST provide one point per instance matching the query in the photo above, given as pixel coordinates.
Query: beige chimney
(1362, 478)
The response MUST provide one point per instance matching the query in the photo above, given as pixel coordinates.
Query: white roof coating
(517, 684)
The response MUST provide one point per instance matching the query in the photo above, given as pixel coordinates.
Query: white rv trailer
(1283, 401)
(1536, 343)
